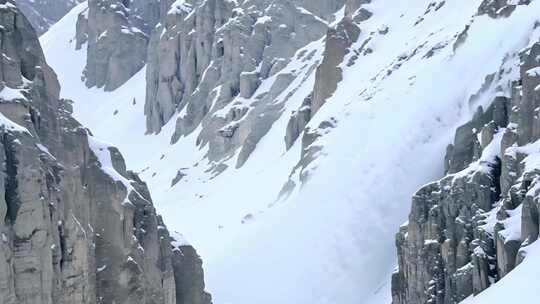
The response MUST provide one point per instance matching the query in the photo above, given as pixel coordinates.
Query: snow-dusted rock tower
(75, 225)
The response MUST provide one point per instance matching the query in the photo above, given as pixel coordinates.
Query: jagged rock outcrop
(298, 122)
(207, 60)
(338, 44)
(472, 227)
(75, 225)
(116, 35)
(42, 14)
(338, 41)
(499, 8)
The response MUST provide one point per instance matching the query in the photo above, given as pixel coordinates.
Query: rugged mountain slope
(76, 225)
(116, 35)
(224, 58)
(470, 229)
(42, 14)
(286, 137)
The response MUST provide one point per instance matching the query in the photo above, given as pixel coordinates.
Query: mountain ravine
(76, 225)
(283, 138)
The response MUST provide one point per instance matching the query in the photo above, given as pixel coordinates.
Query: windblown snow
(332, 240)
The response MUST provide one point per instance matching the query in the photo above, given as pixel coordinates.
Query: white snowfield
(519, 286)
(332, 241)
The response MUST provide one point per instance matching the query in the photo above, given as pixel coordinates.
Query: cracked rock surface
(75, 225)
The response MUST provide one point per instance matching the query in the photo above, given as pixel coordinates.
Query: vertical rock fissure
(11, 184)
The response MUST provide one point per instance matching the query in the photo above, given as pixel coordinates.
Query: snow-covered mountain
(286, 138)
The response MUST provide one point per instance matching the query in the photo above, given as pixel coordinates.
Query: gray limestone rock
(460, 238)
(116, 41)
(499, 8)
(354, 10)
(466, 146)
(338, 41)
(298, 122)
(42, 14)
(81, 32)
(249, 82)
(207, 61)
(70, 231)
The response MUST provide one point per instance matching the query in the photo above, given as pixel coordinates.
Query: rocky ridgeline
(76, 226)
(338, 44)
(471, 228)
(206, 61)
(42, 14)
(224, 51)
(339, 39)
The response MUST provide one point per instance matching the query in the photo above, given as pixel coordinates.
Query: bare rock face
(499, 8)
(76, 226)
(298, 122)
(339, 42)
(329, 74)
(207, 59)
(471, 228)
(116, 38)
(42, 14)
(353, 8)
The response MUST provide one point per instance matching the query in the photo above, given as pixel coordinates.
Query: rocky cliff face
(208, 58)
(116, 36)
(76, 226)
(42, 14)
(472, 227)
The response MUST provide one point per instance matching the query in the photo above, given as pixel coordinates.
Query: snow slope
(523, 279)
(332, 241)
